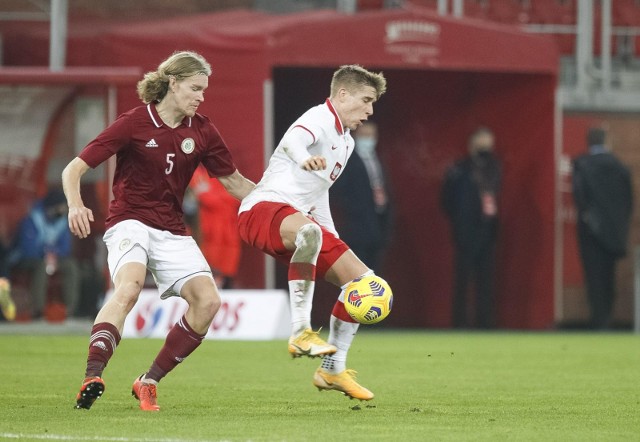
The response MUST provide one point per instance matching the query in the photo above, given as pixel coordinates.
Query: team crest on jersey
(335, 172)
(188, 145)
(124, 244)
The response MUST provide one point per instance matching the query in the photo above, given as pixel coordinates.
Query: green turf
(428, 386)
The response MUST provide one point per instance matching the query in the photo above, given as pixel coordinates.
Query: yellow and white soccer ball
(368, 299)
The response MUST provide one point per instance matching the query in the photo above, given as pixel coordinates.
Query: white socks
(300, 302)
(302, 273)
(341, 335)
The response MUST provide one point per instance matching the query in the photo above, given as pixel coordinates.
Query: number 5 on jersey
(170, 162)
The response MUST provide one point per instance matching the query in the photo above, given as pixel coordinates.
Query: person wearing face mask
(469, 198)
(361, 199)
(42, 250)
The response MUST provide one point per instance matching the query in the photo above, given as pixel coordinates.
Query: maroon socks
(103, 342)
(180, 343)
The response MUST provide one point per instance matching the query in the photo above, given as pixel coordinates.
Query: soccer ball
(368, 299)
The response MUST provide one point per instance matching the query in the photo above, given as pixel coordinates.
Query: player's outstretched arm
(237, 185)
(79, 215)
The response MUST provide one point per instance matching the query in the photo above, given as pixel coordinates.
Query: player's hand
(315, 163)
(79, 218)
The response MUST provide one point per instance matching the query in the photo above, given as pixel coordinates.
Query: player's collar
(339, 126)
(157, 121)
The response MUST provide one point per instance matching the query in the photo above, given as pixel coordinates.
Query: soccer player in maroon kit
(158, 147)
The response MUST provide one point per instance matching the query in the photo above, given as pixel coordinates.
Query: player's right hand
(315, 163)
(79, 218)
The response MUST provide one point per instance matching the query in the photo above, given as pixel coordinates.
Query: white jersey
(318, 132)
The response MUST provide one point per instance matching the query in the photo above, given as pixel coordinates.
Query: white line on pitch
(96, 438)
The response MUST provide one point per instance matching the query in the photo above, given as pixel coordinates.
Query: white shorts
(171, 259)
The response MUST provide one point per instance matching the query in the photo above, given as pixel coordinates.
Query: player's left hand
(79, 219)
(315, 163)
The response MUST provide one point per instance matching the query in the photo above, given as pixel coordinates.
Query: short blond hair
(353, 76)
(181, 64)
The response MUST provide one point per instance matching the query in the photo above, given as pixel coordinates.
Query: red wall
(442, 109)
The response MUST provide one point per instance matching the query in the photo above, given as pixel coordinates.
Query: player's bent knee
(206, 302)
(346, 268)
(308, 240)
(127, 294)
(213, 305)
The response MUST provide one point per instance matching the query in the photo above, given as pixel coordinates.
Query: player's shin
(302, 273)
(342, 331)
(102, 344)
(181, 341)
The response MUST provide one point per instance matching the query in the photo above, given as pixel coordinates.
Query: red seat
(625, 12)
(559, 12)
(369, 5)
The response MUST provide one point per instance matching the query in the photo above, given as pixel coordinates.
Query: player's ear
(343, 94)
(172, 82)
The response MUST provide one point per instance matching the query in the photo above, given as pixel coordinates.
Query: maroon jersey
(154, 164)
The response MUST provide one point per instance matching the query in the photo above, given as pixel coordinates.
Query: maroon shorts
(260, 227)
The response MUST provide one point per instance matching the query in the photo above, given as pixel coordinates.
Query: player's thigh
(129, 281)
(345, 269)
(289, 229)
(174, 260)
(127, 242)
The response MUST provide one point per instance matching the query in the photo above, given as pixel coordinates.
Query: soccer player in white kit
(287, 216)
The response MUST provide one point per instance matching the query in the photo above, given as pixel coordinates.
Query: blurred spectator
(7, 306)
(603, 195)
(212, 214)
(42, 250)
(469, 197)
(361, 200)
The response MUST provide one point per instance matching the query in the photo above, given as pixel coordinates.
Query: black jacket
(352, 205)
(604, 198)
(460, 197)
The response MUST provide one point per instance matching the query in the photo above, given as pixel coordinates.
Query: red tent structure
(445, 77)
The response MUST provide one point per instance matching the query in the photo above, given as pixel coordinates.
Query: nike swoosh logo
(334, 147)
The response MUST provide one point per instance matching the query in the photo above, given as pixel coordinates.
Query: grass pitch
(429, 386)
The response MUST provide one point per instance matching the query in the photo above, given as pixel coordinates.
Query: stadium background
(493, 66)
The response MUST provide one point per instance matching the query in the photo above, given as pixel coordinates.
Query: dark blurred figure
(603, 196)
(7, 306)
(469, 197)
(361, 201)
(42, 250)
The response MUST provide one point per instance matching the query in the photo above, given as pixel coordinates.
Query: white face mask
(365, 145)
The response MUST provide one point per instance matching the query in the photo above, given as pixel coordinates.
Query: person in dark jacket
(361, 200)
(603, 195)
(469, 198)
